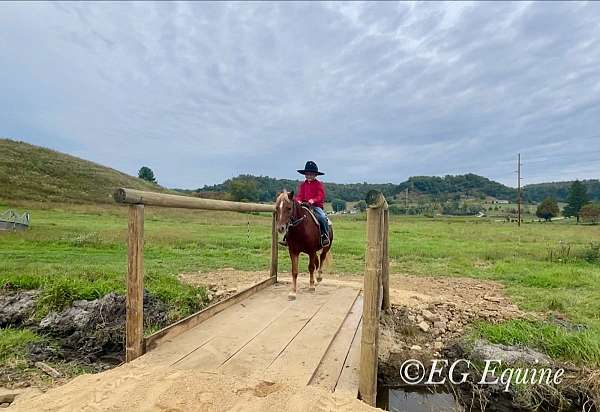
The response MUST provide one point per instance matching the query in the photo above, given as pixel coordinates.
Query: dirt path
(142, 387)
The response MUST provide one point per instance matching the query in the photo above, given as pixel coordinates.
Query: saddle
(314, 218)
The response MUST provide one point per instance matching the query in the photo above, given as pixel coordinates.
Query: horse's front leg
(312, 265)
(292, 294)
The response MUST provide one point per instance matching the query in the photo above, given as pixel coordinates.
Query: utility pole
(519, 190)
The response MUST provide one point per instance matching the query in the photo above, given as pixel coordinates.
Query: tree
(361, 205)
(147, 174)
(576, 200)
(243, 189)
(547, 209)
(590, 213)
(338, 205)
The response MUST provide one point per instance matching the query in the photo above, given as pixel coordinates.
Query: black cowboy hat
(310, 167)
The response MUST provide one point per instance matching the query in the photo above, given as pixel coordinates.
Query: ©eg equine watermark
(413, 372)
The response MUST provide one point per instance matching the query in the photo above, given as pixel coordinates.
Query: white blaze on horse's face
(283, 207)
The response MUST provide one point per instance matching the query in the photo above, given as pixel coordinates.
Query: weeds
(13, 342)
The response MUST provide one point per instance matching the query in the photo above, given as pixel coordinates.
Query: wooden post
(274, 247)
(367, 387)
(385, 272)
(134, 341)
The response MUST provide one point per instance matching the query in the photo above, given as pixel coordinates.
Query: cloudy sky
(372, 92)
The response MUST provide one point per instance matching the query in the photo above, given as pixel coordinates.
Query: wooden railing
(135, 343)
(376, 293)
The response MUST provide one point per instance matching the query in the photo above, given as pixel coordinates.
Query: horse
(303, 236)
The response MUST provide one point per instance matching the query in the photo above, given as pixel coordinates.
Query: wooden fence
(136, 344)
(376, 293)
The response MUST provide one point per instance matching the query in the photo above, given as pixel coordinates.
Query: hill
(264, 188)
(469, 185)
(33, 173)
(560, 190)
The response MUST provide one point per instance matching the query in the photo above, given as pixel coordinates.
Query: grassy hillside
(33, 173)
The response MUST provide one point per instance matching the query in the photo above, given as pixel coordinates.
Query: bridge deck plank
(331, 366)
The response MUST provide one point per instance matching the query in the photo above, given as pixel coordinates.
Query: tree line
(578, 206)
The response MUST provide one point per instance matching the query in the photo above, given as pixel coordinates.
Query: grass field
(80, 252)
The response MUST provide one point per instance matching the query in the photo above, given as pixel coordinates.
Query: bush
(592, 253)
(361, 205)
(590, 213)
(338, 205)
(547, 209)
(147, 174)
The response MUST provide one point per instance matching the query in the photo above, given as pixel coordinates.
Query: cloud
(371, 91)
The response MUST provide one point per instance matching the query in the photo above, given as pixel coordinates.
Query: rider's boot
(324, 240)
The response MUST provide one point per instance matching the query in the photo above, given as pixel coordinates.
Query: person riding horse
(311, 192)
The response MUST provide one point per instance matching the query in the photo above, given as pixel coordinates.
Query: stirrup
(283, 243)
(325, 241)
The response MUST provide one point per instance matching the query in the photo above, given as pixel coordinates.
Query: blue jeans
(322, 218)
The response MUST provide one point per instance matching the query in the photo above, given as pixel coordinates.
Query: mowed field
(79, 252)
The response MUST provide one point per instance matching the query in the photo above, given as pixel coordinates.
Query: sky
(375, 92)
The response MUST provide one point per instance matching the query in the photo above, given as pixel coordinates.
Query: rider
(312, 191)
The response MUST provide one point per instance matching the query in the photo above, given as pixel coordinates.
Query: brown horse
(303, 236)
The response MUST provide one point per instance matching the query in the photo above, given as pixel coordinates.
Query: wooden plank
(274, 246)
(385, 273)
(372, 302)
(191, 321)
(348, 380)
(264, 348)
(330, 368)
(298, 362)
(133, 196)
(264, 305)
(233, 337)
(134, 329)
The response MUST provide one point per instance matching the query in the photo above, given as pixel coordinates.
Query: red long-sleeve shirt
(311, 191)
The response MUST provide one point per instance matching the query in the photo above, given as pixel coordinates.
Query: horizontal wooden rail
(140, 197)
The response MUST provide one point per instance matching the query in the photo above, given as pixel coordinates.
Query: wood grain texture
(274, 247)
(191, 321)
(385, 273)
(133, 196)
(372, 299)
(332, 364)
(134, 341)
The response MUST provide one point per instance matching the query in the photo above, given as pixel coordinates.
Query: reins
(295, 222)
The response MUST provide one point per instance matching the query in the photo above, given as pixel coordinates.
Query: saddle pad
(314, 218)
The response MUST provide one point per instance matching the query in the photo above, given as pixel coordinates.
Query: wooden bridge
(327, 338)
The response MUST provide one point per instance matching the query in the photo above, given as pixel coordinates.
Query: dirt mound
(16, 308)
(91, 330)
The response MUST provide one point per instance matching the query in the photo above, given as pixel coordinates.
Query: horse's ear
(291, 195)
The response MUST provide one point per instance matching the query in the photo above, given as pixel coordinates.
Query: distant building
(502, 202)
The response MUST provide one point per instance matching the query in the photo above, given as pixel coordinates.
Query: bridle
(293, 222)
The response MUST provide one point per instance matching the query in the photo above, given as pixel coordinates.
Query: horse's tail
(327, 262)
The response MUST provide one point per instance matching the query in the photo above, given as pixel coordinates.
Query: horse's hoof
(319, 279)
(292, 296)
(311, 288)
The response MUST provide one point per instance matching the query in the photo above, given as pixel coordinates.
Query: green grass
(14, 341)
(555, 341)
(80, 252)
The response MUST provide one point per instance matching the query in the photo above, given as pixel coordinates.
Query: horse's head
(284, 210)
